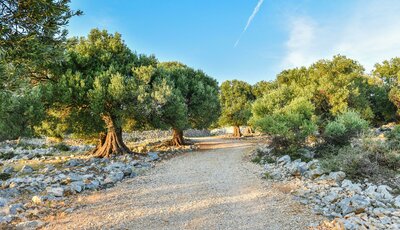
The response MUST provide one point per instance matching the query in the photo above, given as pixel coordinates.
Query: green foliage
(6, 156)
(389, 73)
(289, 124)
(20, 112)
(62, 147)
(32, 36)
(262, 158)
(98, 84)
(261, 88)
(337, 89)
(344, 127)
(377, 93)
(333, 87)
(5, 176)
(179, 97)
(370, 158)
(235, 98)
(55, 123)
(393, 137)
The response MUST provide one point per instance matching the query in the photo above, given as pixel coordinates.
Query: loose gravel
(213, 188)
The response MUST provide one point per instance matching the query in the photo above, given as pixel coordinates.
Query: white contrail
(255, 11)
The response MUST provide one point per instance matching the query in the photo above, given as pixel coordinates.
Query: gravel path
(215, 188)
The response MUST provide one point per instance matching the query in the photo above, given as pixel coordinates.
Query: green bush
(289, 126)
(6, 156)
(344, 127)
(62, 147)
(5, 176)
(393, 137)
(369, 158)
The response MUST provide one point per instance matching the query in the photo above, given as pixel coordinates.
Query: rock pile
(43, 184)
(55, 183)
(354, 205)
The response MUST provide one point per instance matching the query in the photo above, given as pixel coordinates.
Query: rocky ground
(348, 204)
(39, 178)
(48, 185)
(214, 188)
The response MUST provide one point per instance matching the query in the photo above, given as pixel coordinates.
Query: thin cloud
(369, 35)
(301, 43)
(255, 11)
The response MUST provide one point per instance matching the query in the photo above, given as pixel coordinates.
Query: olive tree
(180, 98)
(389, 74)
(32, 36)
(99, 90)
(235, 98)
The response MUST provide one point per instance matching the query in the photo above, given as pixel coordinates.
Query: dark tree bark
(177, 137)
(236, 131)
(110, 143)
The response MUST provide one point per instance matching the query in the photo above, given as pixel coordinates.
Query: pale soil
(214, 188)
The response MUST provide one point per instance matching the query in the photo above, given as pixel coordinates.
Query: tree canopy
(181, 97)
(306, 99)
(32, 36)
(389, 73)
(235, 98)
(32, 47)
(99, 90)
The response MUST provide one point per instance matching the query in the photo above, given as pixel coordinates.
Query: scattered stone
(284, 160)
(347, 184)
(315, 173)
(351, 205)
(153, 156)
(3, 202)
(48, 168)
(57, 191)
(384, 193)
(26, 169)
(8, 170)
(37, 199)
(15, 208)
(5, 219)
(298, 168)
(30, 156)
(337, 176)
(72, 163)
(331, 197)
(397, 202)
(114, 177)
(77, 186)
(51, 183)
(29, 225)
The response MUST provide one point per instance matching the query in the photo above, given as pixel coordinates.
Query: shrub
(289, 126)
(344, 127)
(6, 156)
(353, 161)
(393, 137)
(5, 176)
(62, 147)
(369, 158)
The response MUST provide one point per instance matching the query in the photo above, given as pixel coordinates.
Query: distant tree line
(302, 101)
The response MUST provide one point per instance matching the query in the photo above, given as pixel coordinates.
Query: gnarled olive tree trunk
(177, 137)
(248, 131)
(110, 143)
(236, 131)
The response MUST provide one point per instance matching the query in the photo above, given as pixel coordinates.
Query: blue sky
(281, 35)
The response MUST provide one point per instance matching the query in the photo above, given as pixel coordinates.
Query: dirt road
(214, 188)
